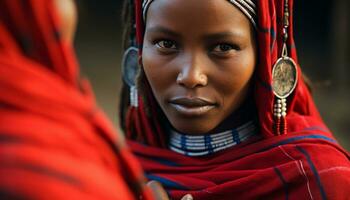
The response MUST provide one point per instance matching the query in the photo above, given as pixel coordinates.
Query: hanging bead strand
(283, 72)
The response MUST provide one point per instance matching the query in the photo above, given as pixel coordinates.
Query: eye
(166, 44)
(224, 48)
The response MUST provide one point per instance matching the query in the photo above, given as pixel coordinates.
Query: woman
(55, 143)
(220, 109)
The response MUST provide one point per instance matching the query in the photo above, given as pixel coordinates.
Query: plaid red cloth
(306, 163)
(55, 143)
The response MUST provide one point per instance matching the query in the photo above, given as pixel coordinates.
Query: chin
(192, 128)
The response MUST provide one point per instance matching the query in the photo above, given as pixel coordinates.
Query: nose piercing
(179, 78)
(203, 79)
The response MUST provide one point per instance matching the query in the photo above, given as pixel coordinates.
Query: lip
(192, 106)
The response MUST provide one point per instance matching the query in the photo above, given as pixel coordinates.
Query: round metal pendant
(284, 77)
(130, 66)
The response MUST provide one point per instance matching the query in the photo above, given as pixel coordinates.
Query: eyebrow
(221, 35)
(210, 36)
(161, 29)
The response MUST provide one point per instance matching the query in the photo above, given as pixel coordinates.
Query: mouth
(192, 107)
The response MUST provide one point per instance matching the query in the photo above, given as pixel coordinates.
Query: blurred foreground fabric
(55, 143)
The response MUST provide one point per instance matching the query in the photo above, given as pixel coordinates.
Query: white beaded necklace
(200, 145)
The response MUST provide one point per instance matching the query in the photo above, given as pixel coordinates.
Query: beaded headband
(248, 7)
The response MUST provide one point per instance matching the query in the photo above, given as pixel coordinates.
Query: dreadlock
(128, 30)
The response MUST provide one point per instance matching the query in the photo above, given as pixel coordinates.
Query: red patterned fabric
(55, 143)
(305, 163)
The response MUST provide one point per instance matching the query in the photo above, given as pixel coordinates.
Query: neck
(237, 128)
(201, 145)
(246, 112)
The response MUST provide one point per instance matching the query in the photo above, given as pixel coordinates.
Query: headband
(248, 7)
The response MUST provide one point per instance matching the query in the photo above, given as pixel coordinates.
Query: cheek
(156, 70)
(237, 75)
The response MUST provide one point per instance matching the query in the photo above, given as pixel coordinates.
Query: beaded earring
(284, 79)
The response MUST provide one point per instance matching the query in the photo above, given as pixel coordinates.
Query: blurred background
(322, 30)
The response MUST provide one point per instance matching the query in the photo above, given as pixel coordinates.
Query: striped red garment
(55, 143)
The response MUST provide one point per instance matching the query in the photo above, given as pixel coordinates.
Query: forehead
(196, 14)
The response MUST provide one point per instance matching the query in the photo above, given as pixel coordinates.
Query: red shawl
(54, 142)
(305, 163)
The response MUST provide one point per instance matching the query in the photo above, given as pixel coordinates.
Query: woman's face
(198, 57)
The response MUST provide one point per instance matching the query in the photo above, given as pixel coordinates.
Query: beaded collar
(201, 145)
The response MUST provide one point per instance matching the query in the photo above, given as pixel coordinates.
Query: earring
(130, 69)
(284, 80)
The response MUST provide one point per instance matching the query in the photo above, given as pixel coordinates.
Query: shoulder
(328, 166)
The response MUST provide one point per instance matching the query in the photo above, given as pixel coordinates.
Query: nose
(192, 73)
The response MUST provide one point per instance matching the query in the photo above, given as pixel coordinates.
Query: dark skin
(199, 65)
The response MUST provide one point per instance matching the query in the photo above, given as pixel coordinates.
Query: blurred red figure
(55, 143)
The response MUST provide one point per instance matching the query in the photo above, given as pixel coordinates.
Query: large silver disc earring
(130, 70)
(284, 79)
